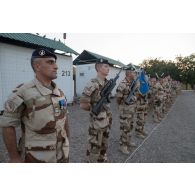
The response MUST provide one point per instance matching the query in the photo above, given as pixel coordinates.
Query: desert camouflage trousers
(127, 113)
(158, 106)
(141, 114)
(166, 102)
(98, 137)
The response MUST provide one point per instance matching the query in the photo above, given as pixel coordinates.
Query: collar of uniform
(56, 91)
(44, 90)
(101, 82)
(126, 80)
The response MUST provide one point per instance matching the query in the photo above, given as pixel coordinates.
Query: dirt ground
(170, 141)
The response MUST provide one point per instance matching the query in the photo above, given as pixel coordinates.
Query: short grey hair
(33, 62)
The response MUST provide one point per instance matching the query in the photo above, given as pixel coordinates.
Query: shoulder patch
(16, 89)
(20, 85)
(90, 87)
(94, 80)
(19, 89)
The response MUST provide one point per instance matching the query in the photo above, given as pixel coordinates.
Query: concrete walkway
(173, 140)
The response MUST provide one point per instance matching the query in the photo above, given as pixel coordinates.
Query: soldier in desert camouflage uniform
(40, 108)
(127, 112)
(141, 114)
(158, 100)
(152, 82)
(168, 92)
(175, 89)
(178, 87)
(99, 125)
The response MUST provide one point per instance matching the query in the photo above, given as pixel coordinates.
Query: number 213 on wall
(66, 73)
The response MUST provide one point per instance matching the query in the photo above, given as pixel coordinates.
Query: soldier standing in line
(167, 90)
(127, 112)
(165, 96)
(158, 101)
(152, 82)
(150, 94)
(141, 107)
(100, 124)
(40, 108)
(178, 87)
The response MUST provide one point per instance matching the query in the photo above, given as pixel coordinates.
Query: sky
(131, 47)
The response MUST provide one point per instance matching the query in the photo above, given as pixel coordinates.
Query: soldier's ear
(37, 67)
(36, 64)
(98, 67)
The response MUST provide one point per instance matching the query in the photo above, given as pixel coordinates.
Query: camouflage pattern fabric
(158, 99)
(167, 94)
(127, 112)
(98, 125)
(151, 93)
(42, 113)
(141, 113)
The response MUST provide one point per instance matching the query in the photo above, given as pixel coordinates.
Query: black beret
(129, 68)
(102, 61)
(43, 53)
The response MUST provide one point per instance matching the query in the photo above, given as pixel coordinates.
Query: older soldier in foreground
(127, 112)
(100, 123)
(40, 108)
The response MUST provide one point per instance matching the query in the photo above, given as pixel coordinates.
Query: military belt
(38, 148)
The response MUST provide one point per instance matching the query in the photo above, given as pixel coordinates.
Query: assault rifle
(105, 93)
(132, 88)
(160, 76)
(157, 76)
(143, 88)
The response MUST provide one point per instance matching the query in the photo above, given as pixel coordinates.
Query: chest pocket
(39, 113)
(126, 90)
(36, 104)
(60, 107)
(96, 94)
(40, 104)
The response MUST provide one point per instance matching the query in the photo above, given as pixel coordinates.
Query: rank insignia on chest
(57, 110)
(62, 104)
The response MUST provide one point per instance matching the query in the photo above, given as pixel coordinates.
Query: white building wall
(15, 68)
(83, 75)
(65, 76)
(87, 71)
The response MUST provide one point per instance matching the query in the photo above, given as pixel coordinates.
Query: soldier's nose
(56, 66)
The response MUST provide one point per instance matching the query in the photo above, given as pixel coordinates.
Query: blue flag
(144, 86)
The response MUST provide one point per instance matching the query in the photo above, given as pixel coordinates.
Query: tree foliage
(181, 69)
(186, 66)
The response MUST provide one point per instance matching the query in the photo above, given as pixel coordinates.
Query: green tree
(186, 65)
(161, 67)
